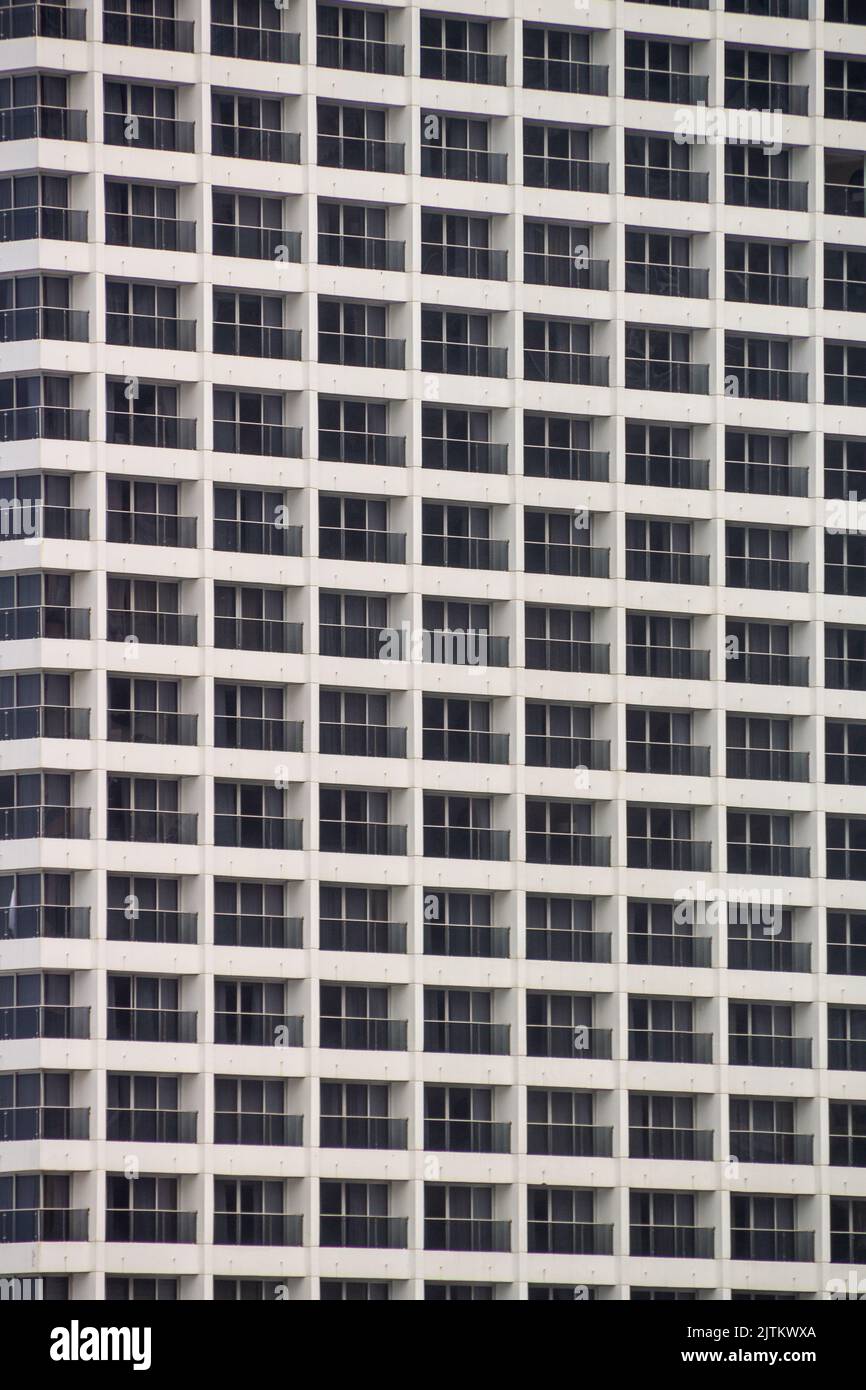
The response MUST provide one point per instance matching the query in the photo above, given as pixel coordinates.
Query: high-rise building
(432, 649)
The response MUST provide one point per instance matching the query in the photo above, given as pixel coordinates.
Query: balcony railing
(667, 1045)
(263, 440)
(672, 1242)
(564, 943)
(643, 374)
(770, 1146)
(361, 837)
(257, 340)
(157, 629)
(255, 243)
(470, 262)
(151, 1025)
(464, 746)
(463, 65)
(656, 84)
(359, 55)
(769, 383)
(46, 1223)
(357, 934)
(267, 735)
(147, 1227)
(151, 233)
(258, 1029)
(577, 850)
(761, 287)
(768, 1050)
(670, 759)
(646, 852)
(34, 520)
(465, 842)
(758, 94)
(453, 1233)
(372, 547)
(44, 920)
(364, 1232)
(464, 359)
(561, 75)
(25, 325)
(570, 368)
(787, 861)
(259, 1229)
(667, 567)
(147, 924)
(479, 1039)
(558, 654)
(45, 822)
(252, 929)
(569, 175)
(364, 1034)
(658, 948)
(258, 832)
(149, 132)
(569, 1141)
(466, 1136)
(768, 953)
(767, 479)
(42, 123)
(148, 31)
(362, 1132)
(464, 552)
(683, 281)
(464, 455)
(146, 330)
(674, 185)
(844, 390)
(465, 939)
(261, 45)
(655, 1141)
(556, 750)
(576, 465)
(25, 624)
(772, 1245)
(846, 1054)
(569, 1238)
(22, 1021)
(151, 1126)
(44, 721)
(365, 155)
(757, 572)
(844, 200)
(566, 1040)
(43, 422)
(150, 528)
(669, 663)
(258, 635)
(350, 446)
(846, 769)
(48, 223)
(849, 295)
(255, 142)
(152, 726)
(243, 1127)
(362, 350)
(45, 21)
(770, 764)
(759, 191)
(474, 166)
(149, 431)
(362, 740)
(767, 668)
(361, 252)
(43, 1122)
(567, 271)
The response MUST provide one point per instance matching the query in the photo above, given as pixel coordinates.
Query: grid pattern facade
(432, 650)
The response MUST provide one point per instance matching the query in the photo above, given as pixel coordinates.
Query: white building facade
(433, 650)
